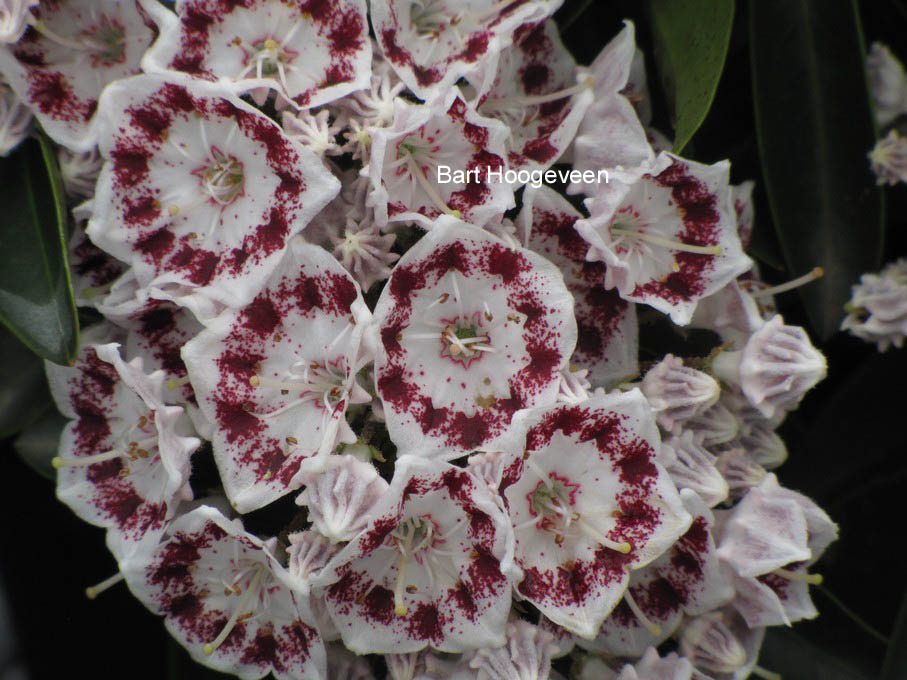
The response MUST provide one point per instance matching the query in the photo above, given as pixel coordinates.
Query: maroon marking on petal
(404, 281)
(156, 245)
(52, 95)
(540, 150)
(130, 166)
(481, 526)
(188, 64)
(689, 550)
(378, 605)
(307, 293)
(395, 389)
(636, 466)
(531, 38)
(184, 608)
(476, 47)
(426, 623)
(660, 599)
(296, 640)
(598, 320)
(141, 211)
(569, 420)
(394, 52)
(260, 316)
(35, 60)
(461, 599)
(199, 264)
(262, 650)
(542, 367)
(534, 77)
(778, 584)
(153, 122)
(238, 423)
(506, 263)
(426, 76)
(470, 431)
(341, 294)
(100, 473)
(485, 573)
(347, 33)
(320, 10)
(376, 536)
(336, 74)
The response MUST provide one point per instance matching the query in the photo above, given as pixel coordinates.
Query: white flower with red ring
(408, 183)
(433, 43)
(310, 51)
(589, 503)
(686, 580)
(470, 331)
(668, 240)
(608, 333)
(610, 136)
(226, 599)
(434, 567)
(70, 52)
(533, 89)
(277, 376)
(121, 463)
(199, 191)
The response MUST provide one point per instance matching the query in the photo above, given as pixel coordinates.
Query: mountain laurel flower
(363, 251)
(277, 376)
(888, 159)
(877, 310)
(775, 369)
(468, 331)
(588, 503)
(668, 239)
(434, 567)
(199, 191)
(431, 44)
(720, 645)
(687, 580)
(226, 599)
(409, 159)
(15, 120)
(607, 342)
(122, 464)
(526, 655)
(677, 392)
(315, 131)
(715, 425)
(309, 53)
(887, 84)
(340, 498)
(692, 467)
(740, 471)
(74, 49)
(651, 666)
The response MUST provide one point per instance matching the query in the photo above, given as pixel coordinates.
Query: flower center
(464, 341)
(321, 382)
(223, 177)
(106, 42)
(270, 57)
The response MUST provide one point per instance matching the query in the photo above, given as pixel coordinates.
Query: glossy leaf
(815, 128)
(691, 42)
(36, 300)
(40, 442)
(792, 656)
(23, 385)
(895, 666)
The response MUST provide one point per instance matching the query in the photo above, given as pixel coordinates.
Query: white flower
(226, 599)
(434, 567)
(364, 251)
(677, 392)
(78, 47)
(470, 331)
(668, 240)
(889, 159)
(309, 55)
(887, 83)
(313, 131)
(199, 191)
(526, 655)
(653, 667)
(277, 376)
(877, 310)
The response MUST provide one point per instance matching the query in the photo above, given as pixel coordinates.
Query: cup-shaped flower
(877, 310)
(607, 330)
(199, 191)
(527, 654)
(70, 52)
(434, 567)
(276, 376)
(588, 502)
(651, 665)
(470, 331)
(226, 599)
(670, 239)
(677, 392)
(309, 52)
(122, 464)
(433, 43)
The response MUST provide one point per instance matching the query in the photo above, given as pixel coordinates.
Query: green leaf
(895, 666)
(793, 656)
(691, 42)
(40, 442)
(36, 300)
(815, 128)
(23, 385)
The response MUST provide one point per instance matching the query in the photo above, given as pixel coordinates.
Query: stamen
(800, 576)
(209, 648)
(653, 628)
(89, 293)
(176, 383)
(135, 450)
(590, 531)
(667, 243)
(533, 100)
(42, 28)
(416, 171)
(815, 273)
(91, 592)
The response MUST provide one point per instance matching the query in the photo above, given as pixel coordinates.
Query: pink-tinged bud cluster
(326, 288)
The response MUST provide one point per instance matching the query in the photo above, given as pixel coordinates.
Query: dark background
(847, 443)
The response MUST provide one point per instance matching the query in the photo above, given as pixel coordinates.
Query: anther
(812, 275)
(91, 592)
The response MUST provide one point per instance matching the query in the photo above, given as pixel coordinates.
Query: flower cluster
(444, 374)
